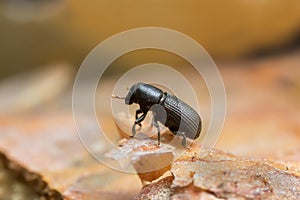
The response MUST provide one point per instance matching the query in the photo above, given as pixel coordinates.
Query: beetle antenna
(117, 97)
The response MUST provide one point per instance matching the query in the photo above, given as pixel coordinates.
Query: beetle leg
(137, 112)
(155, 123)
(184, 141)
(152, 122)
(133, 130)
(138, 120)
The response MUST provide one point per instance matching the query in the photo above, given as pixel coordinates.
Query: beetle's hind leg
(138, 120)
(184, 140)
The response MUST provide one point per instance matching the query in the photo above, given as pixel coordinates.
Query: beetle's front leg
(138, 120)
(137, 112)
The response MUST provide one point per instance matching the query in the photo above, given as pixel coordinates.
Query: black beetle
(178, 116)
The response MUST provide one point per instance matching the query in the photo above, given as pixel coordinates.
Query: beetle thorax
(145, 95)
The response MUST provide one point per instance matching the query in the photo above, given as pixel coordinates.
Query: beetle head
(131, 95)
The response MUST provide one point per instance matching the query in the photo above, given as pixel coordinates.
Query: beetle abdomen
(181, 117)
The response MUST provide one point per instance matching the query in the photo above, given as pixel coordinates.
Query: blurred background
(256, 45)
(36, 33)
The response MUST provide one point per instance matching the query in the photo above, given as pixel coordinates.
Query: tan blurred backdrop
(35, 33)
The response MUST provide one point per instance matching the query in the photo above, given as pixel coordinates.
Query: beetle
(179, 117)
